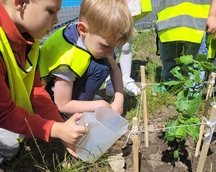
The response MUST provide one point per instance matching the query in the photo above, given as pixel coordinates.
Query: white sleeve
(65, 73)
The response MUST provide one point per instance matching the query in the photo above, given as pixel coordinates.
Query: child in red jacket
(25, 107)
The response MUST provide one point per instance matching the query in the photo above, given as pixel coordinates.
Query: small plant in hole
(187, 87)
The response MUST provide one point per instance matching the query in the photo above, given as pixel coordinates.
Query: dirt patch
(158, 157)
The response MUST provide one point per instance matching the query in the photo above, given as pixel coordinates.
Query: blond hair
(110, 19)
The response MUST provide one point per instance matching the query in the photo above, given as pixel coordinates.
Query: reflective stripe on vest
(53, 54)
(170, 3)
(20, 82)
(186, 19)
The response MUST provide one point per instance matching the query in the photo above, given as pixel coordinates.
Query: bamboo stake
(135, 145)
(206, 107)
(205, 147)
(145, 117)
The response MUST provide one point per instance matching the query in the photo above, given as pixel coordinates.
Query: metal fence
(149, 21)
(69, 13)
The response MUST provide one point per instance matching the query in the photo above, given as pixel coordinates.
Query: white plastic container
(105, 127)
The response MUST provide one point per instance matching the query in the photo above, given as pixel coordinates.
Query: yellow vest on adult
(58, 51)
(20, 82)
(182, 20)
(146, 8)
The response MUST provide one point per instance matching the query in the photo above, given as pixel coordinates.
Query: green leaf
(181, 102)
(197, 76)
(201, 58)
(172, 83)
(177, 60)
(171, 130)
(177, 74)
(181, 132)
(209, 66)
(181, 119)
(176, 153)
(186, 59)
(189, 83)
(193, 104)
(193, 131)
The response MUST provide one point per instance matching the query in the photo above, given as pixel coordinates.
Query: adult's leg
(168, 52)
(194, 49)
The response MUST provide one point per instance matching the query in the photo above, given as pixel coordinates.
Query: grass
(37, 155)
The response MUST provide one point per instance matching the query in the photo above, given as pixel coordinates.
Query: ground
(159, 156)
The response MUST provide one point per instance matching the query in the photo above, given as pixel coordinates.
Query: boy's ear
(82, 28)
(20, 4)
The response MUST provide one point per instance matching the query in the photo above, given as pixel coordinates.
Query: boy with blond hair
(78, 58)
(25, 107)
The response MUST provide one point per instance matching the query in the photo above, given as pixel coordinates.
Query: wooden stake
(135, 145)
(206, 108)
(205, 147)
(145, 116)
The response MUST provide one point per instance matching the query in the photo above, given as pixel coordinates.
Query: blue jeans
(86, 87)
(171, 50)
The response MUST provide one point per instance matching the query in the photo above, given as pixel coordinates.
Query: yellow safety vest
(182, 20)
(20, 82)
(146, 8)
(57, 51)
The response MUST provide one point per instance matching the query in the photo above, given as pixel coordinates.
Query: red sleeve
(19, 120)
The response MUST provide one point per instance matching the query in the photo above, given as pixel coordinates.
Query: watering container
(105, 127)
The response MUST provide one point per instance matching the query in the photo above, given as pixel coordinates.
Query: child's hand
(76, 133)
(69, 132)
(117, 108)
(102, 103)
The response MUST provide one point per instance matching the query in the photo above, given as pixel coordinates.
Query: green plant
(188, 90)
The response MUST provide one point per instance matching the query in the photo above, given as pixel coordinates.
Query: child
(25, 107)
(138, 9)
(79, 57)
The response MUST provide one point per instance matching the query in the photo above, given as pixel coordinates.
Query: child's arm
(63, 99)
(116, 77)
(45, 124)
(54, 126)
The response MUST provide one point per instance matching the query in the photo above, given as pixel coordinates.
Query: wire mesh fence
(70, 11)
(148, 21)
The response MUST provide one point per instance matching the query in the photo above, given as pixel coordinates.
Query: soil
(158, 156)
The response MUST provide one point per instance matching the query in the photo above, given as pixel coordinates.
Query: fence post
(206, 108)
(135, 145)
(145, 116)
(205, 146)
